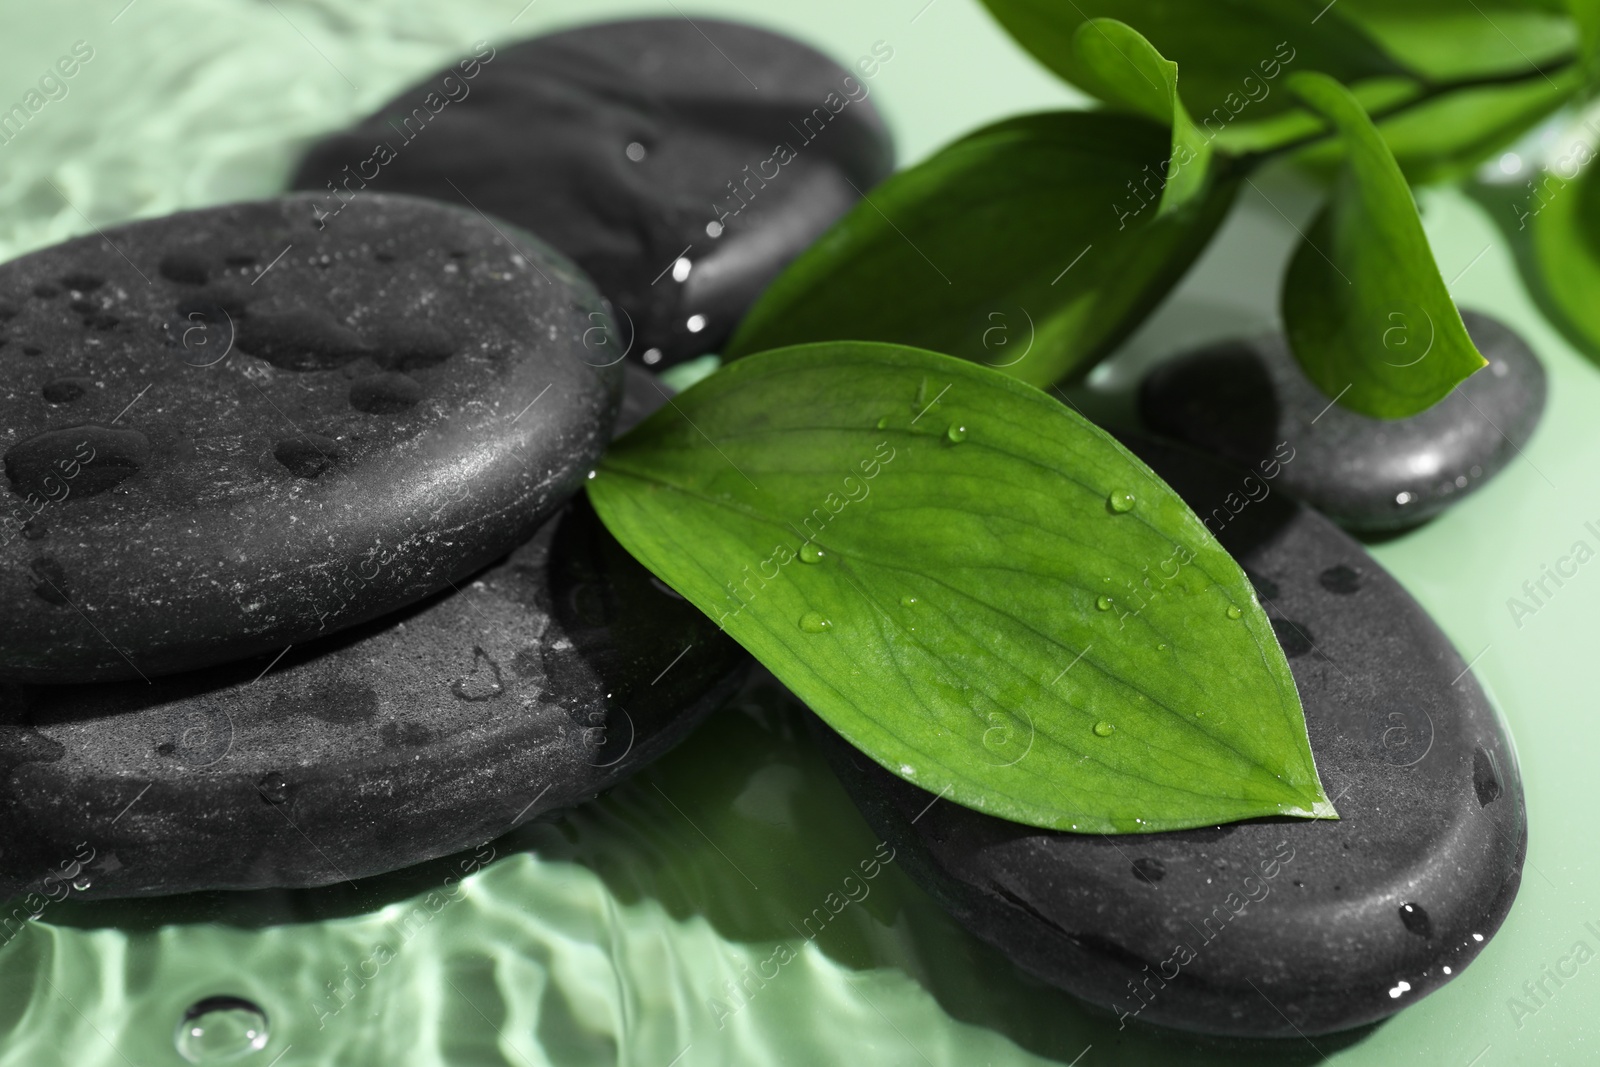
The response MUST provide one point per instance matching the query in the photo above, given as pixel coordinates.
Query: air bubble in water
(221, 1029)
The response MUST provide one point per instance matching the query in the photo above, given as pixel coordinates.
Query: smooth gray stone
(546, 679)
(620, 144)
(1351, 920)
(1243, 399)
(232, 430)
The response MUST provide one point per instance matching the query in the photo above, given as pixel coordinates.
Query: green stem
(1430, 91)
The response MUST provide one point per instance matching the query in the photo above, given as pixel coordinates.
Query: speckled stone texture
(546, 679)
(1242, 399)
(681, 163)
(235, 429)
(1275, 927)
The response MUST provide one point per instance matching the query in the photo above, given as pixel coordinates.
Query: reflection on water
(728, 906)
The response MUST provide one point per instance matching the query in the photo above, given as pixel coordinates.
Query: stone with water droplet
(1234, 612)
(1305, 909)
(221, 1029)
(336, 472)
(1104, 729)
(811, 552)
(1250, 401)
(570, 668)
(1121, 501)
(956, 433)
(813, 622)
(622, 143)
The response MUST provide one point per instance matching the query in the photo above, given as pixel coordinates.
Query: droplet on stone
(1340, 579)
(310, 456)
(222, 1028)
(184, 268)
(635, 151)
(76, 461)
(1416, 920)
(274, 789)
(64, 390)
(388, 393)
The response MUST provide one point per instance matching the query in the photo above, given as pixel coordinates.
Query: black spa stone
(1275, 927)
(681, 163)
(546, 679)
(285, 430)
(1250, 402)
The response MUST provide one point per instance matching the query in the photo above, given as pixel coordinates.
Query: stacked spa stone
(294, 586)
(292, 589)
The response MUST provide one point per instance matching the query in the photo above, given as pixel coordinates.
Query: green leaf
(1364, 307)
(1444, 40)
(1230, 51)
(1032, 245)
(942, 562)
(1562, 216)
(1127, 70)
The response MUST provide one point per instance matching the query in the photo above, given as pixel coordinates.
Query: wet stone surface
(549, 677)
(1243, 399)
(681, 164)
(1273, 927)
(237, 429)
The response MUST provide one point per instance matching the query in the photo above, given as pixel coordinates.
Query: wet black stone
(619, 143)
(274, 455)
(1248, 401)
(1305, 911)
(363, 752)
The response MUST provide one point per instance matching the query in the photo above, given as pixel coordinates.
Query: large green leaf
(974, 585)
(1127, 70)
(1230, 51)
(1032, 245)
(1366, 312)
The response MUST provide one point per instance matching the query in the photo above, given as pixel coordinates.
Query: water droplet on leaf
(813, 623)
(1120, 501)
(1104, 603)
(810, 553)
(1234, 612)
(1104, 729)
(909, 601)
(956, 433)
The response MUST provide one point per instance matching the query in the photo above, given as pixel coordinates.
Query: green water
(612, 936)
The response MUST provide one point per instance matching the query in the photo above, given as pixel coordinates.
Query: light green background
(603, 939)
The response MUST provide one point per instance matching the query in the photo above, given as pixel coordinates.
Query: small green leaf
(1128, 71)
(1364, 307)
(1032, 245)
(1231, 52)
(1444, 40)
(978, 588)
